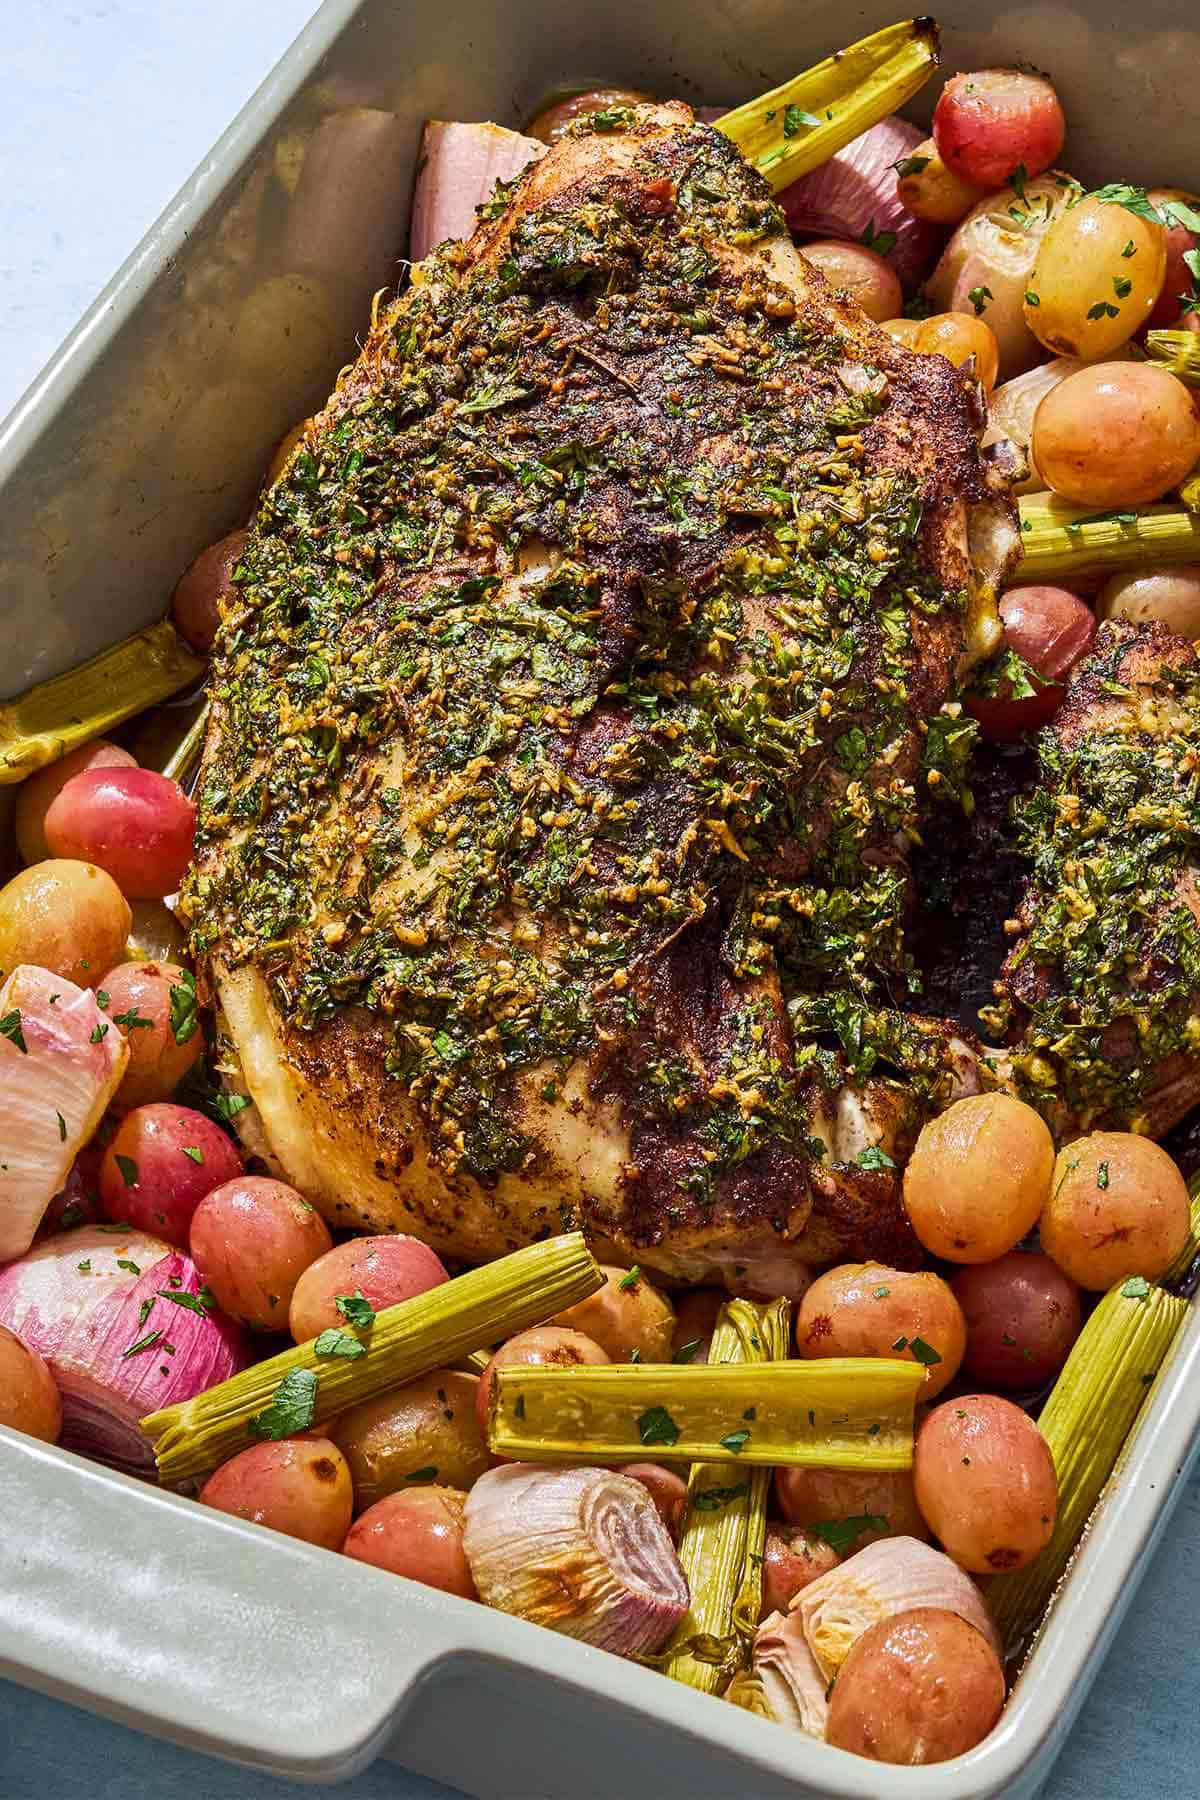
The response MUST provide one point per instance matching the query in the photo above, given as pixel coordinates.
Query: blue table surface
(109, 104)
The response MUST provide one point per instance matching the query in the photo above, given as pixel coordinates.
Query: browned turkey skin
(591, 676)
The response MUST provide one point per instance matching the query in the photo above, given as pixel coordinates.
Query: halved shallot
(61, 1062)
(459, 167)
(124, 1327)
(582, 1551)
(853, 196)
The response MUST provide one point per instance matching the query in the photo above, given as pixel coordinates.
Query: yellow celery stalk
(429, 1332)
(796, 127)
(838, 1412)
(1059, 539)
(725, 1523)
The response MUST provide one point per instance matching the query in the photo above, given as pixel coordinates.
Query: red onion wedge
(854, 194)
(60, 1065)
(582, 1551)
(117, 1317)
(459, 167)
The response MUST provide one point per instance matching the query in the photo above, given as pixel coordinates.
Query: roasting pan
(142, 441)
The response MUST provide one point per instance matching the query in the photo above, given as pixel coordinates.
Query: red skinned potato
(159, 1166)
(860, 272)
(384, 1270)
(154, 1005)
(1049, 629)
(985, 1482)
(203, 588)
(868, 1309)
(1116, 434)
(29, 1396)
(252, 1238)
(978, 1178)
(992, 123)
(300, 1487)
(627, 1315)
(792, 1557)
(1181, 240)
(667, 1490)
(1023, 1315)
(918, 1687)
(864, 1504)
(551, 1346)
(135, 823)
(555, 120)
(35, 796)
(418, 1533)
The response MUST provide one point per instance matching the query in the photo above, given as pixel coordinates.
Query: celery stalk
(725, 1525)
(796, 127)
(431, 1331)
(1059, 539)
(1178, 351)
(837, 1412)
(42, 725)
(1086, 1421)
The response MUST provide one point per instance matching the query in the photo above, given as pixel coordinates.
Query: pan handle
(191, 1625)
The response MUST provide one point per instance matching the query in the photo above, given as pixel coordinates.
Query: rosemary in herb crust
(590, 671)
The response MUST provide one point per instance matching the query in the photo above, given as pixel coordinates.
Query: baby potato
(300, 1486)
(984, 1479)
(695, 1317)
(154, 1005)
(205, 586)
(36, 795)
(929, 190)
(419, 1533)
(882, 1499)
(542, 1346)
(1118, 1206)
(1170, 594)
(384, 1270)
(423, 1432)
(1099, 271)
(65, 916)
(861, 272)
(918, 1687)
(867, 1309)
(29, 1396)
(978, 1178)
(627, 1315)
(553, 121)
(963, 339)
(792, 1558)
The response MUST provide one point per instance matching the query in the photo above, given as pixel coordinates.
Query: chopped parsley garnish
(925, 1353)
(840, 1534)
(686, 1352)
(354, 1309)
(98, 1032)
(130, 1268)
(62, 1128)
(133, 1020)
(146, 1343)
(714, 1499)
(1136, 1288)
(979, 297)
(10, 1027)
(185, 1011)
(228, 1106)
(874, 1158)
(194, 1151)
(736, 1441)
(795, 119)
(292, 1407)
(656, 1426)
(128, 1168)
(85, 1267)
(1032, 299)
(911, 165)
(1102, 1175)
(631, 1280)
(333, 1342)
(201, 1302)
(72, 1215)
(881, 242)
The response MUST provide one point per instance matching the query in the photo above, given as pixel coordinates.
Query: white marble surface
(109, 104)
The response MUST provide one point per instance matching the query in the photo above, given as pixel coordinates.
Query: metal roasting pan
(142, 441)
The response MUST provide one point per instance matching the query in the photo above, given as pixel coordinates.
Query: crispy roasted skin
(1100, 995)
(587, 683)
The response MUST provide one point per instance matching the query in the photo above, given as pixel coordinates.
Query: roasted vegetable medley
(830, 1297)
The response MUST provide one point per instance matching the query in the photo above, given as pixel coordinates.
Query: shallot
(853, 195)
(582, 1551)
(459, 167)
(60, 1065)
(125, 1328)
